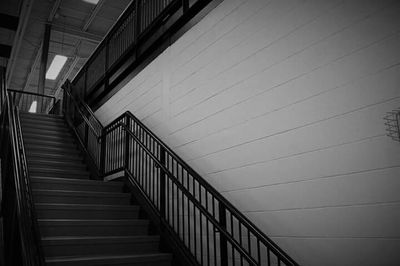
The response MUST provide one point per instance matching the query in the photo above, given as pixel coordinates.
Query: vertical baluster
(177, 199)
(233, 236)
(168, 192)
(189, 218)
(249, 241)
(208, 230)
(152, 173)
(183, 205)
(201, 226)
(162, 183)
(127, 142)
(240, 241)
(214, 231)
(158, 173)
(222, 237)
(173, 188)
(194, 217)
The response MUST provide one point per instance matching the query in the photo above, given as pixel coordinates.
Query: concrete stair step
(58, 172)
(79, 197)
(57, 157)
(57, 164)
(48, 183)
(34, 126)
(151, 259)
(95, 246)
(86, 211)
(36, 135)
(42, 118)
(75, 227)
(34, 148)
(68, 143)
(46, 131)
(37, 116)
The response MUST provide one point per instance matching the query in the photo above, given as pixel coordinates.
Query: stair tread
(86, 206)
(75, 181)
(93, 193)
(83, 239)
(140, 221)
(147, 256)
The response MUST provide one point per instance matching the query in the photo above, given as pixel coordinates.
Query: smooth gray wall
(279, 104)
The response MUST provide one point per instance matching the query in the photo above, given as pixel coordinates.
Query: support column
(43, 65)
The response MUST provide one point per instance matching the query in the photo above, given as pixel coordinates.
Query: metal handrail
(127, 139)
(211, 189)
(18, 95)
(18, 209)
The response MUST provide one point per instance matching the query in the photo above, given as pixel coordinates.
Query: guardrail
(31, 101)
(22, 242)
(199, 222)
(141, 29)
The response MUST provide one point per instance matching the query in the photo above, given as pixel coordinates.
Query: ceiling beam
(93, 15)
(5, 50)
(28, 80)
(54, 9)
(19, 36)
(8, 22)
(77, 33)
(72, 66)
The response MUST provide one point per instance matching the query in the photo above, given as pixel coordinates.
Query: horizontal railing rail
(22, 242)
(208, 229)
(32, 102)
(140, 30)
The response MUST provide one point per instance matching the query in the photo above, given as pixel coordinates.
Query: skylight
(91, 1)
(55, 67)
(32, 109)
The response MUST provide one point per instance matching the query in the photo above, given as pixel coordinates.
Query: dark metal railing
(39, 103)
(22, 244)
(139, 31)
(86, 127)
(206, 228)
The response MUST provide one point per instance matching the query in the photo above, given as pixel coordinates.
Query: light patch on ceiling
(56, 66)
(33, 107)
(91, 1)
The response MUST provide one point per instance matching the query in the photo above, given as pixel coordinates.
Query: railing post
(127, 141)
(222, 239)
(163, 200)
(103, 153)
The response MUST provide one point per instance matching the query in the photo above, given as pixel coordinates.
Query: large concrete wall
(279, 104)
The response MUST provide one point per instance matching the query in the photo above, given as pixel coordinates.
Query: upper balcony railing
(141, 29)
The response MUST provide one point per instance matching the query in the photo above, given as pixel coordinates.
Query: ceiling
(77, 27)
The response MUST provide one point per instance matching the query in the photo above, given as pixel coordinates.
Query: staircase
(82, 221)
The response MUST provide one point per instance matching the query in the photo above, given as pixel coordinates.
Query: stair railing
(86, 128)
(22, 242)
(39, 103)
(199, 222)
